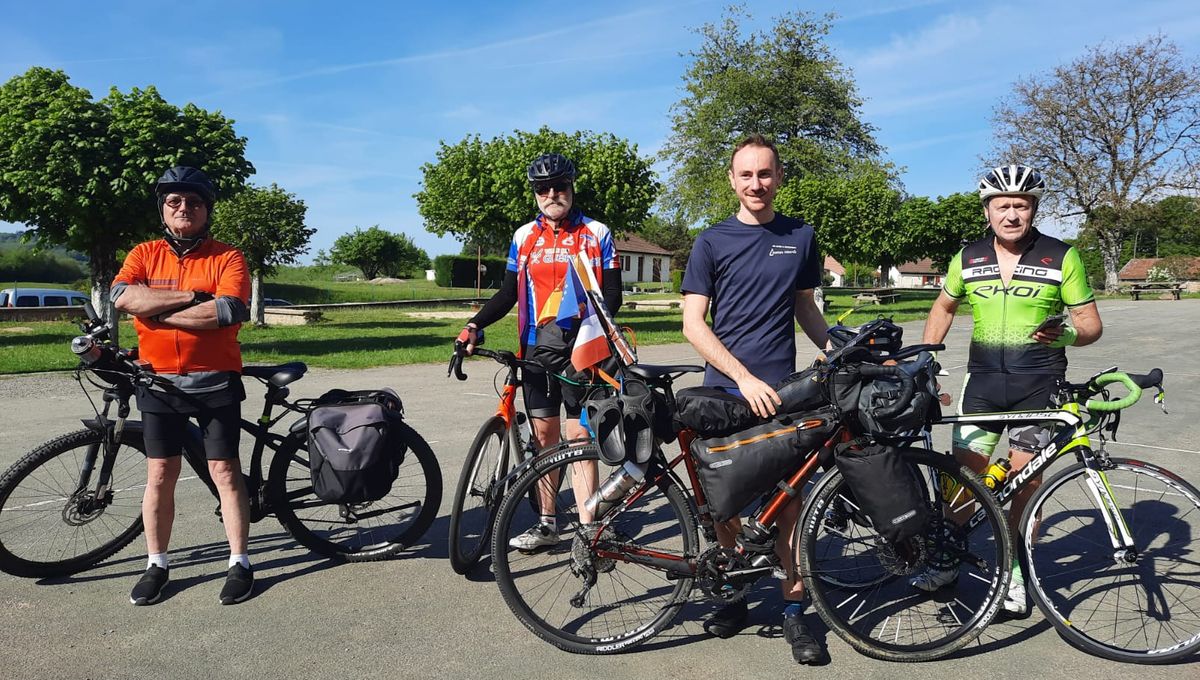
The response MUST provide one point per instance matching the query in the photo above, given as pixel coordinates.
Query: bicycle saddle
(277, 375)
(652, 372)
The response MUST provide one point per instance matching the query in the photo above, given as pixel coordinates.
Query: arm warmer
(501, 303)
(610, 289)
(115, 291)
(231, 310)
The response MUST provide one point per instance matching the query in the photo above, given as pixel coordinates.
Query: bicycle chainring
(712, 567)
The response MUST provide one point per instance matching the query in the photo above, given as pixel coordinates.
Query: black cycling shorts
(220, 427)
(545, 395)
(995, 392)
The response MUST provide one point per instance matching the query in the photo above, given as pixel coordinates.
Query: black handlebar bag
(354, 447)
(736, 469)
(866, 403)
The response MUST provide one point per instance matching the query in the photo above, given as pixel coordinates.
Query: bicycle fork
(1124, 550)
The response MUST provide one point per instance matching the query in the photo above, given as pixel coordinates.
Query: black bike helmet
(184, 178)
(550, 167)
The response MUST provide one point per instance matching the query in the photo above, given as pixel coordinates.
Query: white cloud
(938, 140)
(946, 34)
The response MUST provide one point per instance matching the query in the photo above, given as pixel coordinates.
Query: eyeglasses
(561, 186)
(174, 202)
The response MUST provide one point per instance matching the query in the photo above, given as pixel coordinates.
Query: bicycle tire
(663, 515)
(1070, 545)
(863, 615)
(72, 538)
(471, 527)
(320, 526)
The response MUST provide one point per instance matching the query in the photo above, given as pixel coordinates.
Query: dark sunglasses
(561, 187)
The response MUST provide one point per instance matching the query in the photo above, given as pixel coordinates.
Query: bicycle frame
(1072, 437)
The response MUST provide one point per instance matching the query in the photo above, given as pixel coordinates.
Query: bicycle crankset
(713, 567)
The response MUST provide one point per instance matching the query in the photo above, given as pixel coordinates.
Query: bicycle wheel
(859, 583)
(362, 531)
(478, 494)
(47, 528)
(1140, 607)
(571, 597)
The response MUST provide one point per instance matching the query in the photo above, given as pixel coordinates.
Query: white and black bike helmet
(1012, 180)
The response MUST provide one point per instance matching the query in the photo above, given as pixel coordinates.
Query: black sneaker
(150, 586)
(728, 620)
(239, 583)
(805, 648)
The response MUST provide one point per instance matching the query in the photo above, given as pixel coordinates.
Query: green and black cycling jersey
(1048, 277)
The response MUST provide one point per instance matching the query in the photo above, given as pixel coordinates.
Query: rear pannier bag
(736, 469)
(354, 448)
(885, 489)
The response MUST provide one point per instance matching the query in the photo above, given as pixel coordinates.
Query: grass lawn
(377, 337)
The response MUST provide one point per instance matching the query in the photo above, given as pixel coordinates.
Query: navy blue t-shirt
(751, 273)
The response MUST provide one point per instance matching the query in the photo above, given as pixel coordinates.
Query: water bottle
(996, 473)
(613, 490)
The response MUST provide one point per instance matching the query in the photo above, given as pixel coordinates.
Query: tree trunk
(1110, 253)
(257, 312)
(885, 268)
(103, 264)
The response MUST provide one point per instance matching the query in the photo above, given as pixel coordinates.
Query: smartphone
(1050, 322)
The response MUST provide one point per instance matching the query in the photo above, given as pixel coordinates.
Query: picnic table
(662, 304)
(1156, 289)
(877, 296)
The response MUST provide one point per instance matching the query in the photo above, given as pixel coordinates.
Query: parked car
(42, 297)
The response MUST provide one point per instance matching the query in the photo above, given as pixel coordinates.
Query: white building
(642, 261)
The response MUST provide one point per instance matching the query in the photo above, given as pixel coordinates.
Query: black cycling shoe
(805, 648)
(150, 586)
(239, 584)
(728, 620)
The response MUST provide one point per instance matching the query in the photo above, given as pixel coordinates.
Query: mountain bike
(614, 585)
(1111, 545)
(76, 500)
(501, 452)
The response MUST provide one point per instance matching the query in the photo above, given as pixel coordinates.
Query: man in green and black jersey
(1015, 278)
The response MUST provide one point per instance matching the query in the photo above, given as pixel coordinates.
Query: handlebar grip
(90, 311)
(1135, 393)
(456, 360)
(1152, 379)
(907, 386)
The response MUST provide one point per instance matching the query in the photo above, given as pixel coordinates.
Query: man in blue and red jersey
(539, 260)
(188, 294)
(754, 273)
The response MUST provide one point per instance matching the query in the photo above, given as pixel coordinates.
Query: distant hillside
(12, 241)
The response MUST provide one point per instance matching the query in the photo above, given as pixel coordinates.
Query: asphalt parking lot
(412, 617)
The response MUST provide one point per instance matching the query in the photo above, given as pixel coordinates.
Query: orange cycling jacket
(212, 267)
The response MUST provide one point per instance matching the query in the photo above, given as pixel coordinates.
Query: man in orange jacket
(188, 295)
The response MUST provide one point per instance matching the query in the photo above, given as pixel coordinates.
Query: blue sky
(343, 102)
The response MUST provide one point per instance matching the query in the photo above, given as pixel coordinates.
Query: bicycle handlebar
(501, 356)
(907, 386)
(1133, 383)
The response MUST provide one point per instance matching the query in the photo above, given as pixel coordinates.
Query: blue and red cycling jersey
(541, 257)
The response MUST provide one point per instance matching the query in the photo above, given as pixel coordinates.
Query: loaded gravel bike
(76, 500)
(611, 586)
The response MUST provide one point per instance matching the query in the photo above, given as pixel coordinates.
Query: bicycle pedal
(779, 574)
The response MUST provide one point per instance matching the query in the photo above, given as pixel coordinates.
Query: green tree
(784, 83)
(476, 190)
(1111, 130)
(377, 252)
(672, 236)
(855, 216)
(80, 172)
(267, 225)
(938, 229)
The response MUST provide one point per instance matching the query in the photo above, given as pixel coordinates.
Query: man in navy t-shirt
(754, 273)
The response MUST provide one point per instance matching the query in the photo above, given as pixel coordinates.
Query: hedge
(458, 271)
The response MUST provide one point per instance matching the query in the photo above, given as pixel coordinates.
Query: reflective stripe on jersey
(1048, 276)
(540, 258)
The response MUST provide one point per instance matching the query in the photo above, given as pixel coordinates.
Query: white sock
(550, 521)
(242, 559)
(157, 560)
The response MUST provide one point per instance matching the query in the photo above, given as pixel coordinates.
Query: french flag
(591, 344)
